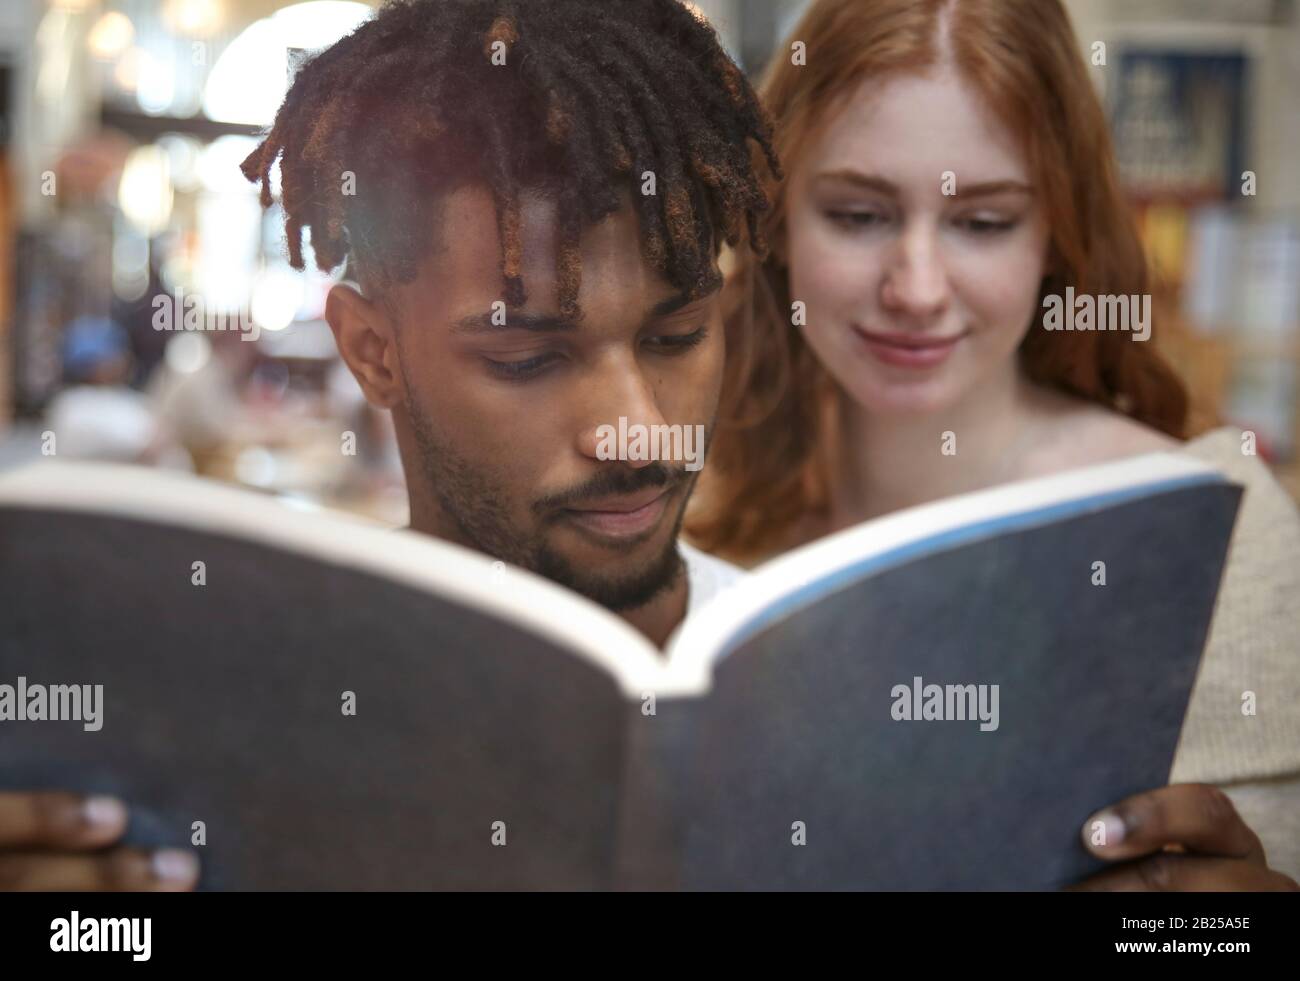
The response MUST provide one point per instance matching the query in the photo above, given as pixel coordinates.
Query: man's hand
(59, 841)
(1184, 838)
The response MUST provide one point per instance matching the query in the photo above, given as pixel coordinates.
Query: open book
(936, 699)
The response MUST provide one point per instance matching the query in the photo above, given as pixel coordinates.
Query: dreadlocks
(577, 98)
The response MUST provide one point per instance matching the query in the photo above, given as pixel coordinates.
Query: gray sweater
(1253, 647)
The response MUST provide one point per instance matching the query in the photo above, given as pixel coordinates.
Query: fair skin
(917, 300)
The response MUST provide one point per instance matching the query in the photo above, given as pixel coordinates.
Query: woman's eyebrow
(874, 182)
(993, 187)
(848, 175)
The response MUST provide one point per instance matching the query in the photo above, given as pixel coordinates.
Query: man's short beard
(615, 593)
(468, 496)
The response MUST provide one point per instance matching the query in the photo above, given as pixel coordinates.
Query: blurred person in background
(98, 416)
(197, 387)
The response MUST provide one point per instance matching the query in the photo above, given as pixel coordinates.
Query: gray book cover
(482, 753)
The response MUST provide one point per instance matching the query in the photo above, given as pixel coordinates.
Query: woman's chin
(895, 400)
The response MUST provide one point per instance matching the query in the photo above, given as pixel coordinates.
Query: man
(540, 193)
(500, 364)
(498, 423)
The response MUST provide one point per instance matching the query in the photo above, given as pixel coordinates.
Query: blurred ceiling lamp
(156, 84)
(193, 18)
(218, 164)
(54, 56)
(183, 159)
(249, 80)
(111, 35)
(277, 295)
(150, 78)
(127, 70)
(145, 191)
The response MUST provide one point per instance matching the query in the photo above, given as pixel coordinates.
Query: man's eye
(856, 219)
(676, 343)
(519, 370)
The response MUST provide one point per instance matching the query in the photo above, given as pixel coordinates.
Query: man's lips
(622, 515)
(908, 349)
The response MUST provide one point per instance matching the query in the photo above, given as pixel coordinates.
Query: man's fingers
(1168, 872)
(120, 870)
(1195, 815)
(53, 819)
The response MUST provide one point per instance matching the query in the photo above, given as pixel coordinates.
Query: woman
(949, 170)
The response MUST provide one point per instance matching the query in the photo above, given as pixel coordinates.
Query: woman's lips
(907, 350)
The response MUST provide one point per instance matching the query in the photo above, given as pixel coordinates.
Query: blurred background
(122, 210)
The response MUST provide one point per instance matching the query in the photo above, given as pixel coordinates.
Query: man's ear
(365, 339)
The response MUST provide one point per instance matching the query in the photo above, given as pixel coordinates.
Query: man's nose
(619, 396)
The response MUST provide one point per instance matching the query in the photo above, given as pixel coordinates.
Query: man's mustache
(613, 481)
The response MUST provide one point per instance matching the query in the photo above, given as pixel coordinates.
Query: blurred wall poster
(1179, 121)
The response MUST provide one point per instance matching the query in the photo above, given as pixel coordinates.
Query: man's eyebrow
(674, 303)
(477, 323)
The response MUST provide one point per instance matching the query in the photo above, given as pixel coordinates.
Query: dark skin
(537, 439)
(525, 446)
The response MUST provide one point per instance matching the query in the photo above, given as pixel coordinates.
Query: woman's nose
(916, 282)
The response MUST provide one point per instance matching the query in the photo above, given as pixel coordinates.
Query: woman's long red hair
(770, 458)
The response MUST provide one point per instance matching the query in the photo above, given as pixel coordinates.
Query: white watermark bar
(53, 703)
(187, 311)
(1106, 312)
(640, 442)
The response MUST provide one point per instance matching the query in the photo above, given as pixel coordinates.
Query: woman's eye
(519, 370)
(986, 226)
(856, 219)
(676, 343)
